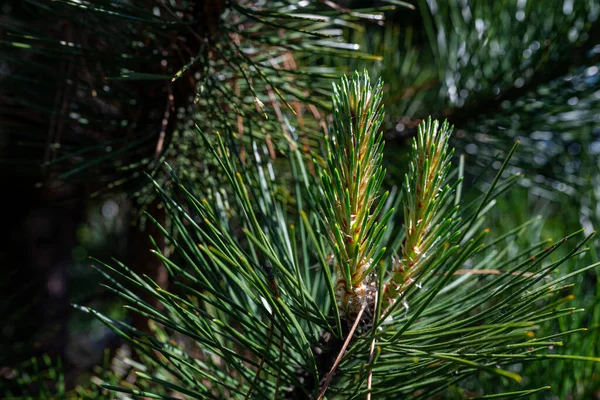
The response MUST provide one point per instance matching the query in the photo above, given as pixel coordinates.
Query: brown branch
(496, 272)
(164, 123)
(262, 360)
(371, 353)
(341, 353)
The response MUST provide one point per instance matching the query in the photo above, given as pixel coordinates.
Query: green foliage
(99, 92)
(42, 378)
(37, 379)
(251, 311)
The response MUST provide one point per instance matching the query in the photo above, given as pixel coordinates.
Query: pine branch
(248, 312)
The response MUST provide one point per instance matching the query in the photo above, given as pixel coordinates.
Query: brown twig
(496, 272)
(278, 384)
(371, 353)
(262, 360)
(164, 123)
(370, 376)
(341, 353)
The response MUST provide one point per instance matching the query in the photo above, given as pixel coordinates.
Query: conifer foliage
(269, 291)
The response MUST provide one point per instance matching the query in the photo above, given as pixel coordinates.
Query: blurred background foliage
(96, 107)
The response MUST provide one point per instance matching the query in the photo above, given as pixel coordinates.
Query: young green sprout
(351, 182)
(425, 193)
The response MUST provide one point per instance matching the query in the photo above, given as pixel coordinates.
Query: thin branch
(164, 123)
(278, 384)
(371, 353)
(262, 360)
(498, 272)
(342, 351)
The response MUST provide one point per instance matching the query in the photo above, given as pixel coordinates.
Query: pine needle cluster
(268, 292)
(351, 184)
(426, 193)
